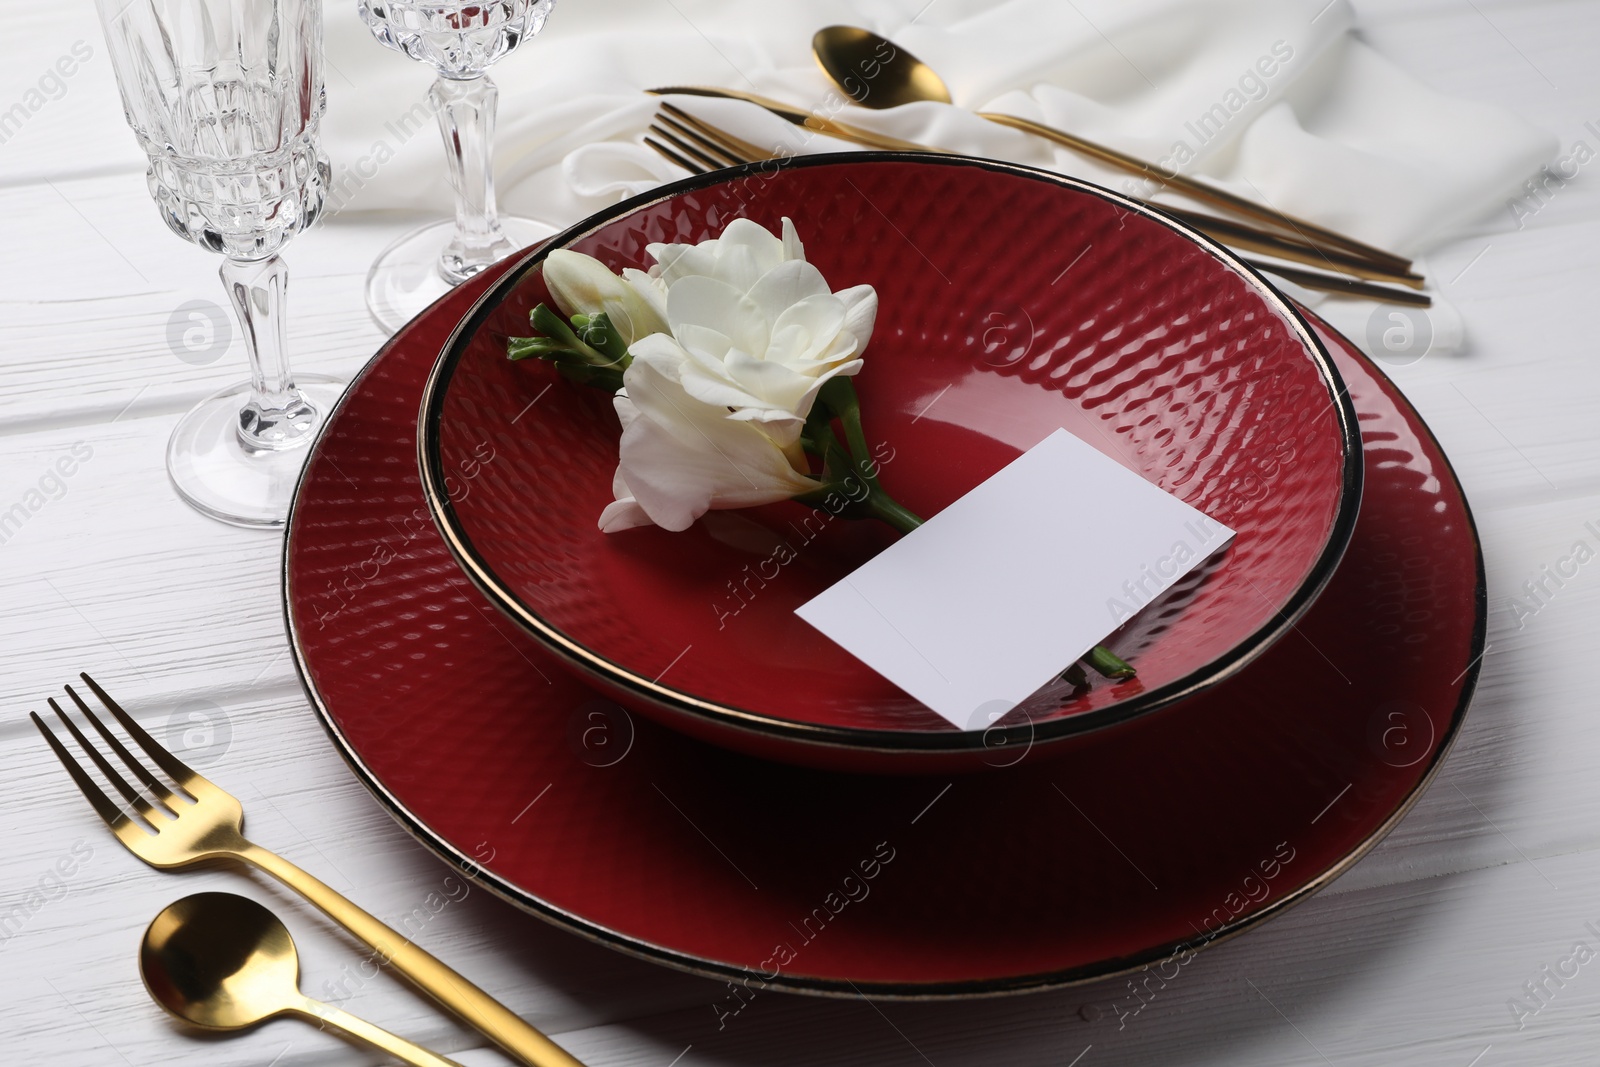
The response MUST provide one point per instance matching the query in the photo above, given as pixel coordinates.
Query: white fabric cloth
(1275, 99)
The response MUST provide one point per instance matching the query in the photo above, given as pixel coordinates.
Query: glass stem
(465, 107)
(276, 416)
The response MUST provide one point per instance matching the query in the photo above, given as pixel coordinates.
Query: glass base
(405, 278)
(216, 476)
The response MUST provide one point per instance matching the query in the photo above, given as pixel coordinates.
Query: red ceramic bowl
(1012, 302)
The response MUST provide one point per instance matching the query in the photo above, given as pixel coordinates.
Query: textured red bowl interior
(1009, 306)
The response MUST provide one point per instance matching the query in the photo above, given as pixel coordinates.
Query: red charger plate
(1149, 342)
(1150, 839)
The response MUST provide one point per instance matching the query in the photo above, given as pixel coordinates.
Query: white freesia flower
(730, 341)
(753, 327)
(680, 458)
(581, 285)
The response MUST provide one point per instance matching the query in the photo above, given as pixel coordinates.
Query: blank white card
(1006, 588)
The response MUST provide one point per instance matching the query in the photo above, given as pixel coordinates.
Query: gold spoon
(224, 962)
(875, 72)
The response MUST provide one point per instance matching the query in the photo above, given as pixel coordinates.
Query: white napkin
(1275, 99)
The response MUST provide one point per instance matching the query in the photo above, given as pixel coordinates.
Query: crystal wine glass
(225, 96)
(460, 39)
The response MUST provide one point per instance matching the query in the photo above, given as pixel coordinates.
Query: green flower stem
(556, 330)
(885, 507)
(599, 364)
(539, 347)
(840, 467)
(606, 378)
(839, 394)
(818, 440)
(598, 333)
(1108, 663)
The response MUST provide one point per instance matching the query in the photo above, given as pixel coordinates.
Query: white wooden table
(1410, 958)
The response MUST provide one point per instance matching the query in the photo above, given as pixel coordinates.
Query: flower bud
(581, 285)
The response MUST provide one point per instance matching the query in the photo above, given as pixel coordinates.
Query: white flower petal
(707, 349)
(807, 330)
(624, 513)
(786, 285)
(739, 267)
(809, 398)
(792, 248)
(660, 350)
(717, 391)
(681, 458)
(783, 427)
(860, 312)
(577, 282)
(682, 261)
(747, 385)
(764, 250)
(652, 290)
(777, 385)
(710, 303)
(627, 411)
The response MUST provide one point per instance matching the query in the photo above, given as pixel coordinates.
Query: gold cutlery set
(875, 73)
(224, 962)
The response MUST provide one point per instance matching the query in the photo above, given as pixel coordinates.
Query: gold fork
(699, 148)
(198, 822)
